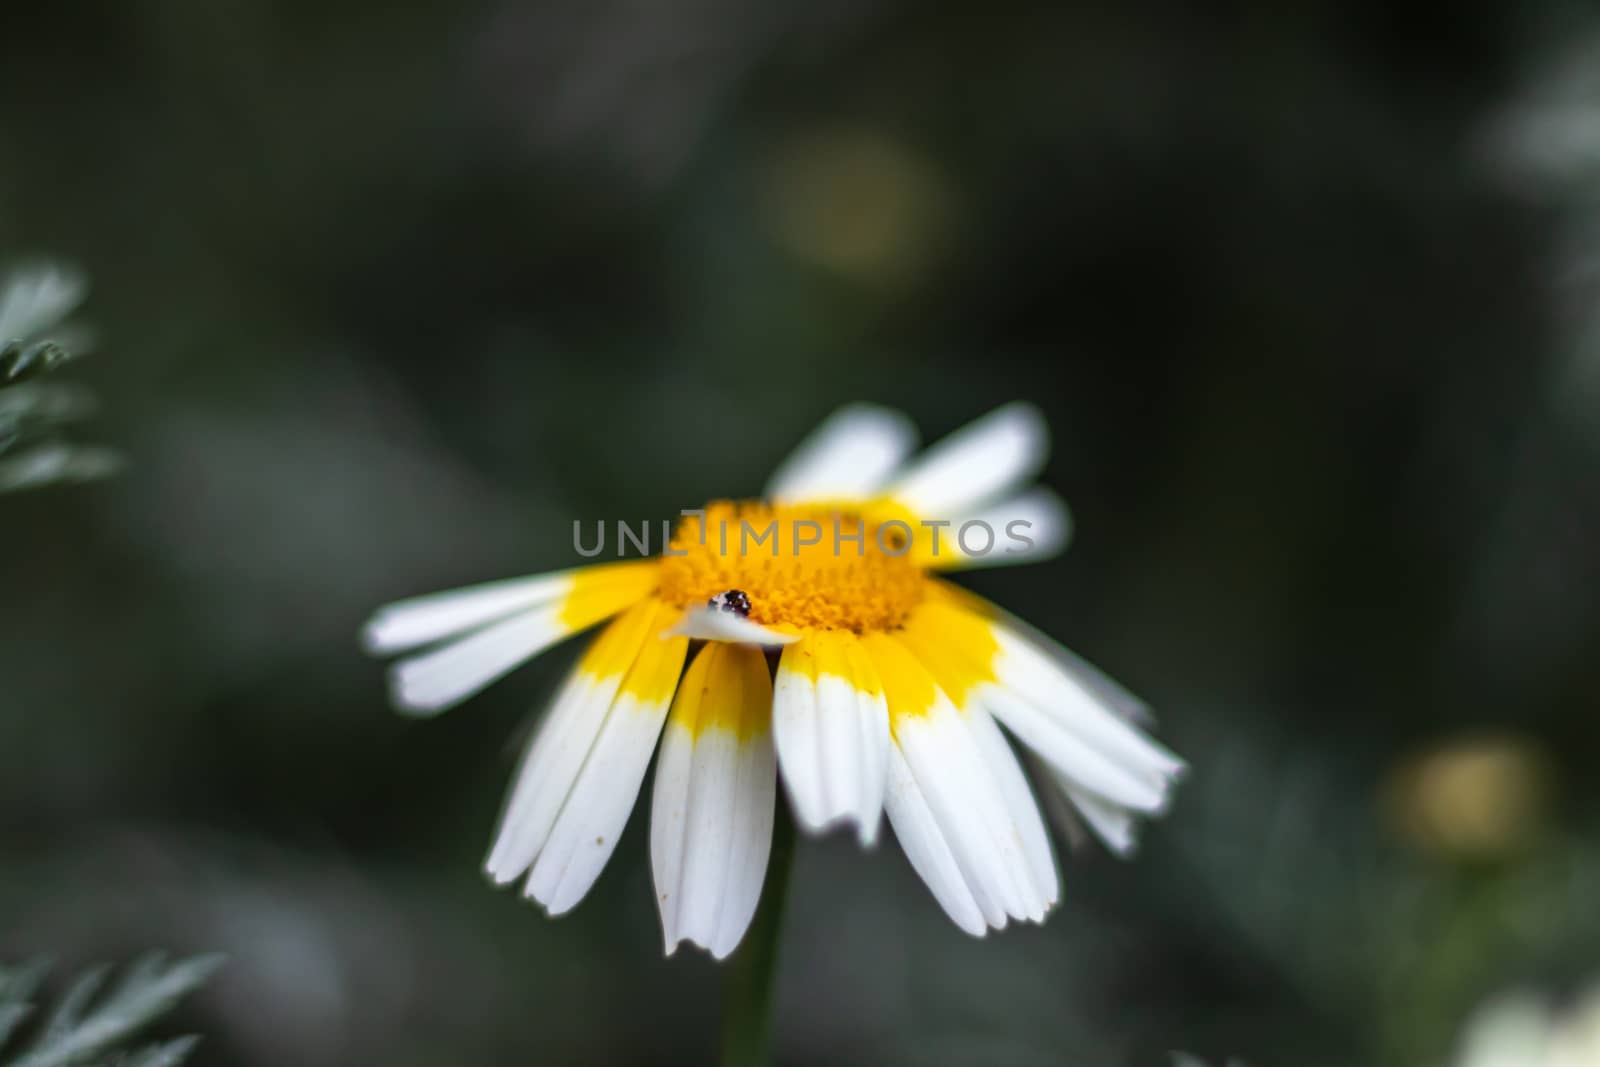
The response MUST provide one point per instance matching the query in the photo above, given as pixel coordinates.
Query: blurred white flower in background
(1524, 1029)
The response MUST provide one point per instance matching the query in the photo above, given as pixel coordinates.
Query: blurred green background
(387, 295)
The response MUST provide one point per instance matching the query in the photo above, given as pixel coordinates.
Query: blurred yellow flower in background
(1474, 798)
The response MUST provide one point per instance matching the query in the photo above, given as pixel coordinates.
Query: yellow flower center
(806, 567)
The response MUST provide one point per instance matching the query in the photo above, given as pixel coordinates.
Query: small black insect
(734, 600)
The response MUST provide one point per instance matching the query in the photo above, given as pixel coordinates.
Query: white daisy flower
(889, 694)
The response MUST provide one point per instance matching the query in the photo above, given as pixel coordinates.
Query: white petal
(1072, 755)
(924, 844)
(563, 740)
(548, 771)
(965, 801)
(1100, 685)
(1117, 827)
(1096, 682)
(847, 457)
(1047, 708)
(1022, 667)
(716, 785)
(710, 835)
(410, 623)
(669, 824)
(1028, 528)
(853, 740)
(597, 807)
(832, 732)
(440, 679)
(1026, 821)
(975, 465)
(584, 750)
(717, 624)
(586, 830)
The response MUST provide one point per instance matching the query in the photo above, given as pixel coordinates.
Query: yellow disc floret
(809, 567)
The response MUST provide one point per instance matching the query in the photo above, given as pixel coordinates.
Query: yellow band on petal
(956, 645)
(907, 685)
(601, 591)
(654, 674)
(835, 652)
(727, 687)
(613, 653)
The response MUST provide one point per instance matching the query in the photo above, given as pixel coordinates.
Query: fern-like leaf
(166, 1054)
(35, 337)
(90, 1021)
(37, 299)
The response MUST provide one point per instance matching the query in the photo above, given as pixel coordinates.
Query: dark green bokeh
(386, 298)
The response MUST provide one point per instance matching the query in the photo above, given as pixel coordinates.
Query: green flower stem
(747, 992)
